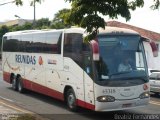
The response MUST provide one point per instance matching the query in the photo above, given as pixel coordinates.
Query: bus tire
(14, 83)
(71, 100)
(20, 85)
(157, 93)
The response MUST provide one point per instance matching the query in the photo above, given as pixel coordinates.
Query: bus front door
(88, 82)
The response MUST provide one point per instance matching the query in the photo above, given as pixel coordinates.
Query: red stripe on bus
(6, 77)
(47, 91)
(85, 105)
(52, 93)
(42, 89)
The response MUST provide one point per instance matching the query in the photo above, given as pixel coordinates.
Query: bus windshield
(122, 58)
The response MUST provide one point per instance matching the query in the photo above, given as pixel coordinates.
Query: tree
(156, 4)
(59, 19)
(26, 26)
(86, 13)
(42, 23)
(3, 30)
(20, 2)
(32, 3)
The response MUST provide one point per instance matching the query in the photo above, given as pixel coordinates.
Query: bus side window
(38, 42)
(73, 47)
(11, 43)
(53, 42)
(25, 43)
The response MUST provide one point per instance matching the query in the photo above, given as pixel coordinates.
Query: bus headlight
(144, 95)
(105, 99)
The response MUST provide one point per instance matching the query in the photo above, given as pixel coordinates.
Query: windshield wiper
(143, 79)
(119, 73)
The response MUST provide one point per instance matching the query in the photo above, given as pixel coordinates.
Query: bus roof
(116, 31)
(69, 30)
(28, 32)
(106, 31)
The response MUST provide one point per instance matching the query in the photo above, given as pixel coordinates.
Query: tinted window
(25, 43)
(34, 43)
(10, 43)
(38, 42)
(53, 42)
(73, 47)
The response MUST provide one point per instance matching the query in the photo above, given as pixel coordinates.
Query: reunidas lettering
(25, 59)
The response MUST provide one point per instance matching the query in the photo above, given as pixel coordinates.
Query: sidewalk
(9, 111)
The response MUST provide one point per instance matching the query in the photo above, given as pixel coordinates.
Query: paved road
(57, 110)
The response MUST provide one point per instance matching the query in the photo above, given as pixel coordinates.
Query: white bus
(57, 63)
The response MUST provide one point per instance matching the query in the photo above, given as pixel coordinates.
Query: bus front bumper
(121, 104)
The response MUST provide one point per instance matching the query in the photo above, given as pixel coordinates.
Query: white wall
(153, 62)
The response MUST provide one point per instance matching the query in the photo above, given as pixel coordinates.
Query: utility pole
(34, 5)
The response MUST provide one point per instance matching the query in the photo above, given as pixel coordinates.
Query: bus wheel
(157, 93)
(20, 85)
(71, 100)
(14, 83)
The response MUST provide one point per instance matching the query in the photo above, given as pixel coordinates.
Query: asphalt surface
(57, 110)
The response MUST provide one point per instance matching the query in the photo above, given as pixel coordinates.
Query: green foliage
(26, 26)
(57, 25)
(86, 13)
(42, 23)
(3, 30)
(59, 19)
(20, 2)
(156, 4)
(33, 1)
(90, 37)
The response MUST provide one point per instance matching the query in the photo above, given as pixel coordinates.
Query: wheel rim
(14, 84)
(19, 86)
(71, 100)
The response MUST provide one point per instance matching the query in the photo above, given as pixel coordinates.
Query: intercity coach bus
(59, 64)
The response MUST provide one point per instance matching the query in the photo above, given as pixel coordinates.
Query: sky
(45, 10)
(141, 17)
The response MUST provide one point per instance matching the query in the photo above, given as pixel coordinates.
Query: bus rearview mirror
(95, 49)
(154, 48)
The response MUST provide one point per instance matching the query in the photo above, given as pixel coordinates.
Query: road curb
(13, 107)
(9, 110)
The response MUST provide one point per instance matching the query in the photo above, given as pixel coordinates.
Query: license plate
(127, 105)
